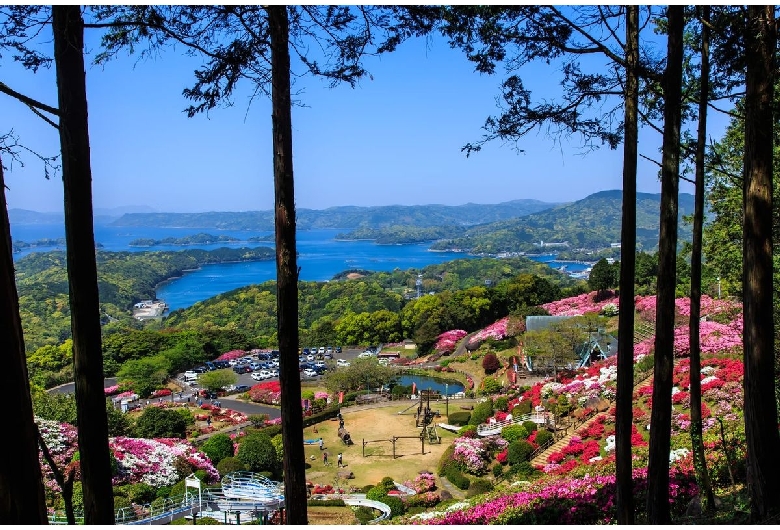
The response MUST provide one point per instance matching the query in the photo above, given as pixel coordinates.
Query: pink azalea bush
(62, 441)
(111, 390)
(154, 461)
(585, 501)
(232, 354)
(422, 483)
(448, 341)
(579, 305)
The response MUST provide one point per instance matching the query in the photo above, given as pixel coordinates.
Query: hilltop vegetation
(592, 223)
(195, 239)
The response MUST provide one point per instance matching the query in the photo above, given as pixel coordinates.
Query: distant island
(19, 246)
(196, 239)
(402, 234)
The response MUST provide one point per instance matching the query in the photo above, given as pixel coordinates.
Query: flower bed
(269, 392)
(157, 462)
(448, 341)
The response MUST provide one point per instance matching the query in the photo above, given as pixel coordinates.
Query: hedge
(478, 487)
(454, 475)
(459, 418)
(326, 502)
(542, 437)
(519, 451)
(324, 415)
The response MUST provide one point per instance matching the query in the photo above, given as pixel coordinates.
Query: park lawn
(374, 424)
(343, 515)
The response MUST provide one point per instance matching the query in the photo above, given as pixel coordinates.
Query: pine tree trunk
(21, 487)
(68, 28)
(763, 458)
(287, 270)
(697, 443)
(658, 511)
(625, 356)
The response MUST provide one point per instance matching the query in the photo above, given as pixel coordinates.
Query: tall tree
(286, 266)
(21, 487)
(625, 356)
(68, 28)
(661, 415)
(761, 432)
(697, 442)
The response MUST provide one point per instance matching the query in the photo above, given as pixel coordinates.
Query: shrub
(523, 471)
(218, 447)
(258, 420)
(445, 459)
(454, 475)
(139, 493)
(498, 470)
(387, 483)
(519, 451)
(367, 488)
(468, 430)
(326, 502)
(501, 403)
(120, 501)
(490, 363)
(364, 514)
(257, 453)
(229, 465)
(542, 437)
(478, 487)
(160, 423)
(530, 426)
(512, 433)
(482, 411)
(376, 493)
(459, 418)
(396, 505)
(490, 385)
(524, 407)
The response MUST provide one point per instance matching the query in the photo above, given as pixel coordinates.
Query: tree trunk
(95, 462)
(21, 487)
(625, 356)
(763, 459)
(697, 443)
(661, 415)
(286, 270)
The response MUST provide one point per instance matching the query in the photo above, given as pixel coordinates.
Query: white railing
(491, 429)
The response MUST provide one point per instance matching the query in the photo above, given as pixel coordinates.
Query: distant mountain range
(102, 215)
(343, 216)
(593, 222)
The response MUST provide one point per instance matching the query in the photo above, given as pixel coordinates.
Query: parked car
(256, 376)
(308, 372)
(256, 366)
(342, 362)
(242, 388)
(274, 372)
(319, 364)
(242, 369)
(310, 358)
(338, 349)
(306, 351)
(321, 350)
(211, 366)
(364, 355)
(265, 374)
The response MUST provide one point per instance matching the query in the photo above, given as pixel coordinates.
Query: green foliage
(364, 514)
(512, 433)
(279, 446)
(118, 422)
(482, 411)
(377, 492)
(463, 431)
(490, 385)
(524, 407)
(456, 476)
(156, 422)
(498, 470)
(523, 471)
(145, 375)
(325, 502)
(54, 406)
(542, 437)
(490, 363)
(460, 417)
(138, 493)
(478, 487)
(230, 464)
(500, 403)
(218, 447)
(358, 374)
(444, 460)
(519, 451)
(218, 379)
(257, 453)
(530, 426)
(396, 505)
(258, 420)
(388, 483)
(602, 276)
(185, 413)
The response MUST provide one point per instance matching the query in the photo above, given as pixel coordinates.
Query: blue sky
(395, 139)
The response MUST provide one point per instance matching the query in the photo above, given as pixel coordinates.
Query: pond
(425, 382)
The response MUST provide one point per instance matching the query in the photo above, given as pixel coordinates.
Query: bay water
(320, 257)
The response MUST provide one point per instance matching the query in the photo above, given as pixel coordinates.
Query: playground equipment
(239, 492)
(345, 437)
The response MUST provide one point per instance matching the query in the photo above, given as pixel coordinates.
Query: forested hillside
(123, 278)
(344, 216)
(593, 223)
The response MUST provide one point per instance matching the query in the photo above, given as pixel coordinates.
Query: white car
(342, 362)
(265, 374)
(274, 372)
(308, 372)
(310, 358)
(365, 355)
(321, 350)
(256, 376)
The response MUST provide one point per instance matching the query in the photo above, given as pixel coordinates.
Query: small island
(197, 239)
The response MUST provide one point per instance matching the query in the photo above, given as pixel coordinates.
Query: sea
(320, 257)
